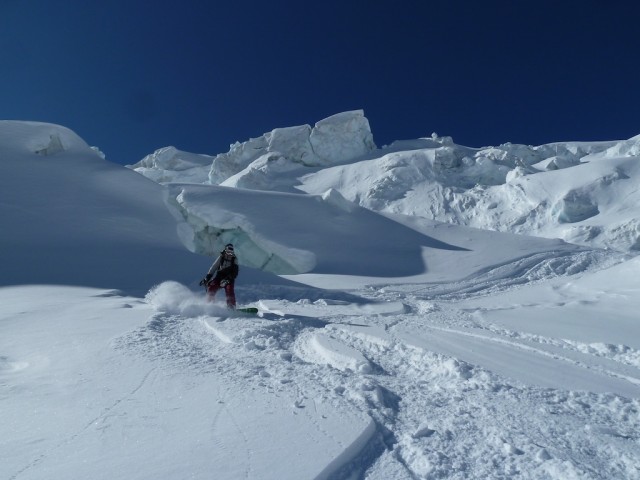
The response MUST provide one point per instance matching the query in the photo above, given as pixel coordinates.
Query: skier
(223, 272)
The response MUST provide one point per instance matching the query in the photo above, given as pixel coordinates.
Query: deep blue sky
(131, 76)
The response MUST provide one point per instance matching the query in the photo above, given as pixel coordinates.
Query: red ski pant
(214, 286)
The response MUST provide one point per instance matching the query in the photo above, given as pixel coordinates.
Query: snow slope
(70, 217)
(388, 346)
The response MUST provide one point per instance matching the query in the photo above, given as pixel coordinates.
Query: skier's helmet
(228, 248)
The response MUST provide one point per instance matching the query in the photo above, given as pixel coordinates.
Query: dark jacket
(225, 267)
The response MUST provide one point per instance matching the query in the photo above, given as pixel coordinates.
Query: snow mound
(70, 217)
(336, 307)
(42, 139)
(272, 171)
(333, 197)
(169, 164)
(322, 349)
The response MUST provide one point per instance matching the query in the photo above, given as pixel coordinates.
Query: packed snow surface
(388, 344)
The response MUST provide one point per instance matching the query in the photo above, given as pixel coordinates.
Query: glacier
(529, 190)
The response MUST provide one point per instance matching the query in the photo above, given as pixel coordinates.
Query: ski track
(436, 416)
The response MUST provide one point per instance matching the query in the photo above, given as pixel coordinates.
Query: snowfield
(414, 322)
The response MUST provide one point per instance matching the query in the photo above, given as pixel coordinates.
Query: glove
(225, 282)
(206, 279)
